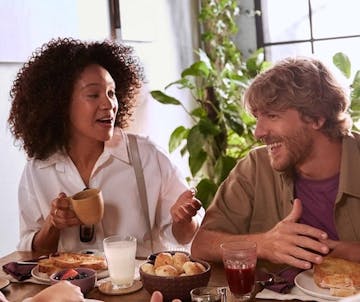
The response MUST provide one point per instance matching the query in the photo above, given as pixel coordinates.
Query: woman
(70, 104)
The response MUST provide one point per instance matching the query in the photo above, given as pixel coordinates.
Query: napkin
(284, 280)
(294, 294)
(20, 272)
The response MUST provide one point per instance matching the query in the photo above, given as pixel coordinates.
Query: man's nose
(260, 130)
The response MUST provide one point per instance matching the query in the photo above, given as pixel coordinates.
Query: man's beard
(295, 149)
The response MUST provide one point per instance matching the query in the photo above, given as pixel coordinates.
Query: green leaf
(196, 161)
(356, 82)
(342, 62)
(223, 167)
(198, 112)
(206, 190)
(164, 98)
(182, 83)
(205, 58)
(206, 127)
(234, 122)
(195, 141)
(183, 150)
(247, 118)
(198, 69)
(254, 62)
(355, 92)
(176, 137)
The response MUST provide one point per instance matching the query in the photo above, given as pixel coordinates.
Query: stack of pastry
(61, 261)
(341, 276)
(169, 265)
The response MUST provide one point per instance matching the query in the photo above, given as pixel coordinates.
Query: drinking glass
(208, 294)
(120, 252)
(239, 258)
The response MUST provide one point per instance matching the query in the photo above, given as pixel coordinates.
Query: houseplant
(221, 130)
(343, 63)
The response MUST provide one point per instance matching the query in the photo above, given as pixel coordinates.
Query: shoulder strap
(136, 162)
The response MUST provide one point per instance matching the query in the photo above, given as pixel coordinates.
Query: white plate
(43, 277)
(305, 282)
(4, 282)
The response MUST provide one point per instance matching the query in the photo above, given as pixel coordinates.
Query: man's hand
(293, 243)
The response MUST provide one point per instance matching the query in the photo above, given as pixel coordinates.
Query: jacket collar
(350, 165)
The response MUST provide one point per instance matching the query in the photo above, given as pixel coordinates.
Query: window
(309, 27)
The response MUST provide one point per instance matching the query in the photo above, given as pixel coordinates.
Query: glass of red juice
(239, 258)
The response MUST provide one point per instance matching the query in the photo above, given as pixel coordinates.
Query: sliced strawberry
(69, 274)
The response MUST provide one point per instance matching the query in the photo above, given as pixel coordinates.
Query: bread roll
(166, 271)
(148, 268)
(179, 260)
(193, 268)
(163, 259)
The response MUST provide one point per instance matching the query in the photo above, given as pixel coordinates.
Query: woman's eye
(111, 94)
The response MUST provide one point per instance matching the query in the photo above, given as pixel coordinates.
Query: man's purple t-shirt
(318, 202)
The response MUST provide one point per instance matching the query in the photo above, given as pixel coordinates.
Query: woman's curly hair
(42, 90)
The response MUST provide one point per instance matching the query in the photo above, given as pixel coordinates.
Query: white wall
(11, 163)
(169, 51)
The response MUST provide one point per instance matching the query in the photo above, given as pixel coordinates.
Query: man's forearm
(206, 244)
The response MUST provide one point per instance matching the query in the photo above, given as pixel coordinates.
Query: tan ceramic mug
(88, 206)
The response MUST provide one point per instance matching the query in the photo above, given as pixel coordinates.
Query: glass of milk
(120, 254)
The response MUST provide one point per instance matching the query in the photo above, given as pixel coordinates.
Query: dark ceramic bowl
(86, 284)
(175, 287)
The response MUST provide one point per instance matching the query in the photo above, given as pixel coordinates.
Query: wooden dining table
(17, 291)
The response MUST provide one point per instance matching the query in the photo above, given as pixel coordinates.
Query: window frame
(312, 40)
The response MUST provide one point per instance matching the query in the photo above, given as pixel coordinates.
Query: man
(298, 197)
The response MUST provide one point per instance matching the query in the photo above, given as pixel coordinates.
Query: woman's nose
(108, 103)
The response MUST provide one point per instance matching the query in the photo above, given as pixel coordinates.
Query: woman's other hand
(185, 207)
(182, 212)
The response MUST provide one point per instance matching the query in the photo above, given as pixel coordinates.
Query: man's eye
(272, 116)
(93, 95)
